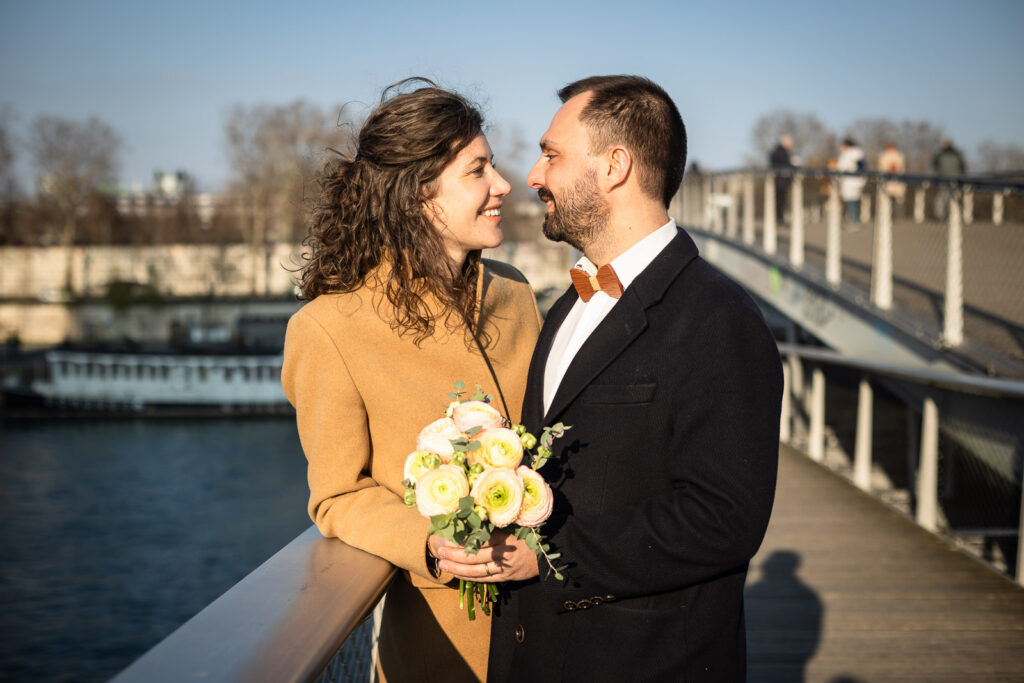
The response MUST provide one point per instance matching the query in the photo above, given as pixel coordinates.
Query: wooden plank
(845, 588)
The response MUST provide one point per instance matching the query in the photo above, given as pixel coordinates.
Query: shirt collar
(630, 263)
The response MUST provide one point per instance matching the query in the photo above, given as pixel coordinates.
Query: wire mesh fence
(355, 660)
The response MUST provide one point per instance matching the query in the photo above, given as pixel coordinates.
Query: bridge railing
(954, 266)
(956, 468)
(286, 621)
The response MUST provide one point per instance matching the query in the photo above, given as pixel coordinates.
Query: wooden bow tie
(606, 280)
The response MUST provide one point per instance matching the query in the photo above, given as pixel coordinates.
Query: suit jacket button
(520, 633)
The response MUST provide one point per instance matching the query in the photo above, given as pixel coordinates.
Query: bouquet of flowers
(467, 475)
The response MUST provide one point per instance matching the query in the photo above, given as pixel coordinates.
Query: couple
(668, 375)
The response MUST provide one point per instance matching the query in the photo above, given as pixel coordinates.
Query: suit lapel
(624, 323)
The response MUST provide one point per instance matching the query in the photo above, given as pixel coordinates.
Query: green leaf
(465, 506)
(459, 385)
(473, 430)
(473, 445)
(452, 395)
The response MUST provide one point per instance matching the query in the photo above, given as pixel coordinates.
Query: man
(664, 484)
(851, 187)
(947, 161)
(782, 165)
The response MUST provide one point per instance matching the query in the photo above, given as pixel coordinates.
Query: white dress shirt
(584, 318)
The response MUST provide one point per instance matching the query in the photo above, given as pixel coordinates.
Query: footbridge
(893, 551)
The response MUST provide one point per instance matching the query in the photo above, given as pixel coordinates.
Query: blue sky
(164, 75)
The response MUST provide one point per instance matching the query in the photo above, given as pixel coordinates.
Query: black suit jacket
(663, 487)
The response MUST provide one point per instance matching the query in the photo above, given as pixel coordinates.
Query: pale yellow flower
(418, 463)
(498, 448)
(437, 437)
(476, 414)
(538, 501)
(438, 491)
(500, 492)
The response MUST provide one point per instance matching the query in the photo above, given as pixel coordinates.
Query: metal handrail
(283, 622)
(989, 182)
(974, 384)
(703, 199)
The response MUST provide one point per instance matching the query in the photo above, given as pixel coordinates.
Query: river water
(115, 532)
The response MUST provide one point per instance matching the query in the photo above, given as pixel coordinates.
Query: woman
(401, 306)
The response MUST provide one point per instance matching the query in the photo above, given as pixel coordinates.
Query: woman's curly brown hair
(370, 211)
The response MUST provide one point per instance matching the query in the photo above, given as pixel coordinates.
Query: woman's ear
(433, 212)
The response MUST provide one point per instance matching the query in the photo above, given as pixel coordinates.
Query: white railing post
(796, 234)
(731, 222)
(1020, 544)
(378, 617)
(881, 269)
(786, 416)
(919, 194)
(968, 205)
(705, 205)
(928, 468)
(862, 444)
(833, 245)
(748, 208)
(997, 219)
(816, 445)
(770, 240)
(953, 328)
(865, 207)
(716, 209)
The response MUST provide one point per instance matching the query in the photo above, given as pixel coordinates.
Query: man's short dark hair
(635, 112)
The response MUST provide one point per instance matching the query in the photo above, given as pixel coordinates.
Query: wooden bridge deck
(846, 590)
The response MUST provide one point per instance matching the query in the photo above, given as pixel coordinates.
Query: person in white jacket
(851, 159)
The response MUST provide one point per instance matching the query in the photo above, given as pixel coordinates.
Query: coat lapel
(624, 323)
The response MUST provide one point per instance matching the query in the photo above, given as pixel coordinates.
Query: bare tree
(522, 212)
(8, 183)
(995, 157)
(73, 159)
(813, 142)
(918, 140)
(275, 151)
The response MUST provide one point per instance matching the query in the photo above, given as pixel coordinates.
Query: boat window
(202, 373)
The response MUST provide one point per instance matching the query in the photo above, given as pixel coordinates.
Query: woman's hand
(503, 558)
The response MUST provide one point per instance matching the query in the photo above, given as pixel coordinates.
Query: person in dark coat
(672, 383)
(947, 161)
(781, 163)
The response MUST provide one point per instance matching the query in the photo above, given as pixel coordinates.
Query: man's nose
(535, 178)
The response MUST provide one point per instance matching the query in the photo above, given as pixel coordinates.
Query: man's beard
(578, 216)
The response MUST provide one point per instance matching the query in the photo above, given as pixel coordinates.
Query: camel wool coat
(362, 393)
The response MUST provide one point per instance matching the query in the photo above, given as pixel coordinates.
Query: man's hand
(503, 558)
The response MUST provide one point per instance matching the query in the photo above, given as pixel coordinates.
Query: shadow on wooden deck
(845, 589)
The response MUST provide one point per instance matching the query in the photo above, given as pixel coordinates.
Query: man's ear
(617, 167)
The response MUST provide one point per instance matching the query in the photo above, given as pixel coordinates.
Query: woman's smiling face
(466, 210)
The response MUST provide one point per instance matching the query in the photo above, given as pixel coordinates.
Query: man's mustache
(544, 195)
